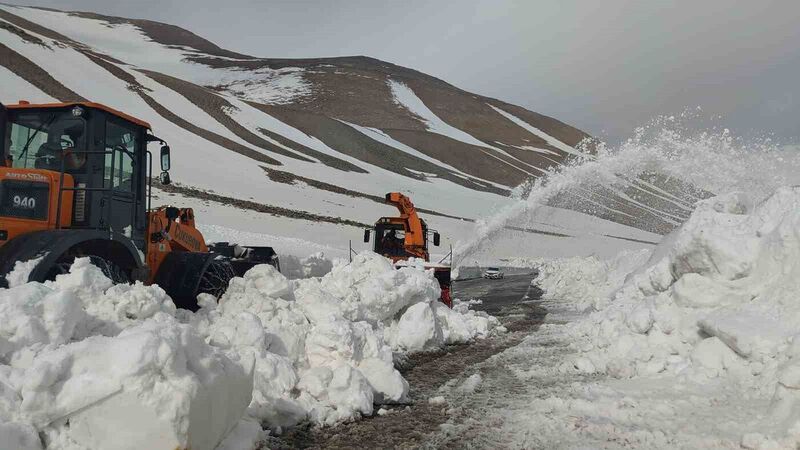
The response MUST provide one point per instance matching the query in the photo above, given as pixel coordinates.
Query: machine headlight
(77, 111)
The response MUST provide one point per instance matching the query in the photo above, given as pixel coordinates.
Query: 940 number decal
(23, 202)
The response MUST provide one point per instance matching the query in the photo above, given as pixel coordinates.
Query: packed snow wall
(706, 323)
(86, 364)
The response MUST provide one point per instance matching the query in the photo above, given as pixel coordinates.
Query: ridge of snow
(404, 96)
(533, 130)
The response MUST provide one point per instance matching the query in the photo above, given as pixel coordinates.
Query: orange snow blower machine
(76, 181)
(406, 236)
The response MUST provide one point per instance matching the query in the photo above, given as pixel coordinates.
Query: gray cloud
(604, 66)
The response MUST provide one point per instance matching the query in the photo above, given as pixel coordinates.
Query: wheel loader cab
(73, 183)
(83, 158)
(390, 240)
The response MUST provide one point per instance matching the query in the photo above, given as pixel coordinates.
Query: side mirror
(436, 238)
(165, 158)
(366, 236)
(164, 178)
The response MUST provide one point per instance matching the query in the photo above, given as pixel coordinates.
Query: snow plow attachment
(244, 258)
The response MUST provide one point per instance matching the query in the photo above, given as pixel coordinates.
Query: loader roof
(25, 105)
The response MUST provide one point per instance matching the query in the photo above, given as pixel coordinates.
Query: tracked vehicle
(406, 236)
(76, 181)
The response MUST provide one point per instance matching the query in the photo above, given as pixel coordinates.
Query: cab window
(390, 241)
(121, 143)
(47, 141)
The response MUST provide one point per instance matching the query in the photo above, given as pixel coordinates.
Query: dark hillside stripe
(467, 158)
(345, 139)
(215, 106)
(328, 160)
(35, 75)
(138, 88)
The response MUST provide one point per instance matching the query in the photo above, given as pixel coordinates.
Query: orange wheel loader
(75, 181)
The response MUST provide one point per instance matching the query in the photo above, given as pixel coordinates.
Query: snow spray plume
(651, 181)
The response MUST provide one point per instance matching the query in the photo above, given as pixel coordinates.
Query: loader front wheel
(184, 275)
(109, 269)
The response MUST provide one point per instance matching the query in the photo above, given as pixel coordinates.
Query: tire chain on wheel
(215, 278)
(109, 269)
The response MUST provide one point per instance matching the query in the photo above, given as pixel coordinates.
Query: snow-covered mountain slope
(295, 140)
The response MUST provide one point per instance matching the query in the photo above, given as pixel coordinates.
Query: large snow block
(156, 385)
(126, 421)
(417, 330)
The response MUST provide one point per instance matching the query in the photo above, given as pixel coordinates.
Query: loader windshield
(39, 140)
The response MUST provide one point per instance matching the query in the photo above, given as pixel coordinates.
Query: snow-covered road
(497, 413)
(444, 384)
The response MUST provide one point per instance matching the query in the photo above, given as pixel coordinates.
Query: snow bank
(85, 364)
(583, 283)
(323, 346)
(716, 305)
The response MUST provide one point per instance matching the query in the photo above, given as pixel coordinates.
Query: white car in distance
(493, 273)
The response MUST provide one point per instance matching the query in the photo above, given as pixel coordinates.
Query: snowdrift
(716, 305)
(84, 364)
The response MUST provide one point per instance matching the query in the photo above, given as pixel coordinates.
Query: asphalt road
(496, 295)
(412, 426)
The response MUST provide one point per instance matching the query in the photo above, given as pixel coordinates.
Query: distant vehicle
(493, 273)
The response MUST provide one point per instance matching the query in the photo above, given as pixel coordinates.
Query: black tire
(109, 269)
(215, 278)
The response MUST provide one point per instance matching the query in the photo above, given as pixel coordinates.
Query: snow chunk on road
(246, 435)
(461, 324)
(438, 400)
(417, 330)
(470, 384)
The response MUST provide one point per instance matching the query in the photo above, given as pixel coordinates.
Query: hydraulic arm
(414, 231)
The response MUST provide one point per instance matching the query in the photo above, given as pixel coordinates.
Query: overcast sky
(603, 66)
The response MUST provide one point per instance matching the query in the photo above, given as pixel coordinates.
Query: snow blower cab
(76, 181)
(407, 236)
